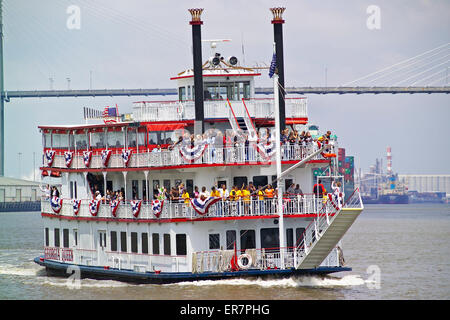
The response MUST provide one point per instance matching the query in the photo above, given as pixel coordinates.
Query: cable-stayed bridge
(424, 73)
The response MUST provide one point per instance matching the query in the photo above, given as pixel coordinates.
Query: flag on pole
(273, 66)
(110, 114)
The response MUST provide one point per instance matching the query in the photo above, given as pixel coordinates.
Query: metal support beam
(170, 92)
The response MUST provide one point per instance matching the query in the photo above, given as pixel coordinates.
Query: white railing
(307, 204)
(211, 155)
(116, 259)
(178, 111)
(262, 259)
(323, 220)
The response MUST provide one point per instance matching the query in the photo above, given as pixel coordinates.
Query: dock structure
(19, 195)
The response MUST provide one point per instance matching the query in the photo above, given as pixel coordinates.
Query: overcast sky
(141, 44)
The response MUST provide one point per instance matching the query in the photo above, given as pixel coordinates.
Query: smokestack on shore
(196, 23)
(278, 38)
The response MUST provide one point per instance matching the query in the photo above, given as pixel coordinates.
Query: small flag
(110, 114)
(273, 66)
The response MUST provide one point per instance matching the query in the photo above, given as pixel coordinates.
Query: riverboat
(149, 225)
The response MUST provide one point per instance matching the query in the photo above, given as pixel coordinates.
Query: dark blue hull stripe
(95, 272)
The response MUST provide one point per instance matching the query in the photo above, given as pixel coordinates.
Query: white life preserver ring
(240, 261)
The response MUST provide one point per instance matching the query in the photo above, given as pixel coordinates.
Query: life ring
(241, 264)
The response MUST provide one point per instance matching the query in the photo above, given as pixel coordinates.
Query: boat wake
(293, 282)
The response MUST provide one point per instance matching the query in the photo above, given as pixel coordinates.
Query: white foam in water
(18, 271)
(84, 283)
(294, 282)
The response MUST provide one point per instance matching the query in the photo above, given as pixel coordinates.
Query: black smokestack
(198, 72)
(278, 38)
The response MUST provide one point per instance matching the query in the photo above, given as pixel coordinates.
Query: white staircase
(324, 233)
(232, 118)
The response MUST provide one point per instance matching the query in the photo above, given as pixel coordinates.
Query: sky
(141, 44)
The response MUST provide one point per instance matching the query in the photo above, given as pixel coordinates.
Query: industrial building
(19, 195)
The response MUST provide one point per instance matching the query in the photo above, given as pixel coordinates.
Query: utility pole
(2, 98)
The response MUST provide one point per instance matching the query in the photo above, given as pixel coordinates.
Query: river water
(396, 252)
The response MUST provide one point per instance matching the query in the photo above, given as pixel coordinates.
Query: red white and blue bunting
(136, 207)
(68, 157)
(157, 207)
(266, 149)
(87, 156)
(93, 206)
(49, 156)
(201, 206)
(190, 155)
(56, 204)
(76, 206)
(106, 154)
(114, 206)
(126, 155)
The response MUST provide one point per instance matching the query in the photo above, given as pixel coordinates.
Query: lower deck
(180, 247)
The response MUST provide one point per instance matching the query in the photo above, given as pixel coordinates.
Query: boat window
(155, 242)
(102, 239)
(181, 244)
(226, 90)
(142, 137)
(155, 188)
(299, 233)
(145, 242)
(239, 181)
(135, 189)
(231, 239)
(270, 238)
(81, 141)
(166, 239)
(65, 238)
(134, 242)
(47, 140)
(75, 237)
(190, 186)
(182, 93)
(248, 239)
(166, 184)
(132, 138)
(153, 138)
(47, 240)
(260, 181)
(214, 241)
(290, 237)
(113, 241)
(56, 237)
(98, 140)
(61, 141)
(123, 241)
(144, 190)
(115, 139)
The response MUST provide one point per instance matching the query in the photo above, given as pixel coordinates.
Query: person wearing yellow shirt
(260, 194)
(186, 197)
(215, 192)
(269, 194)
(245, 194)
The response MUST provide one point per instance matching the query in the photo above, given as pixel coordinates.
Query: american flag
(110, 114)
(273, 65)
